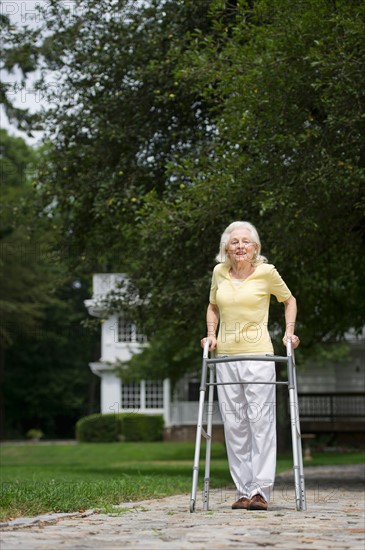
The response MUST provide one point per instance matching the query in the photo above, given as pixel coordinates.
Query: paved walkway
(334, 519)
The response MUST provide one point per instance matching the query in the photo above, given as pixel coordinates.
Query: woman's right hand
(213, 342)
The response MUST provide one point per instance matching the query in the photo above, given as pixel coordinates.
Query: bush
(98, 428)
(106, 428)
(34, 434)
(142, 427)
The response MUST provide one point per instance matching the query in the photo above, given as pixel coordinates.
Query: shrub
(34, 434)
(106, 428)
(142, 427)
(98, 428)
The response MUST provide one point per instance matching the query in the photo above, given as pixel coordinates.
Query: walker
(291, 382)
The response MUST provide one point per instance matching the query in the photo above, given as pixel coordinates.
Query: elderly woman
(242, 284)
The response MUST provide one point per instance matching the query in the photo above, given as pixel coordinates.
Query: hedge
(142, 427)
(106, 428)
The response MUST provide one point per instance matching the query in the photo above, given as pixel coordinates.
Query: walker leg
(198, 436)
(296, 437)
(301, 497)
(209, 440)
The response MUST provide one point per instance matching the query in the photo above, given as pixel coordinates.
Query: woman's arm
(290, 318)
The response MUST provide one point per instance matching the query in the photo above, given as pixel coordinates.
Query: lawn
(41, 478)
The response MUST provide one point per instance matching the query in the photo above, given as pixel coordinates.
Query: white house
(120, 339)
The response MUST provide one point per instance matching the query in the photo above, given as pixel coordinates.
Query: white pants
(249, 416)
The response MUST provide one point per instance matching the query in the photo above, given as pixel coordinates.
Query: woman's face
(240, 246)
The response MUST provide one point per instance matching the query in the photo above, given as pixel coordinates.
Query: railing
(332, 406)
(337, 410)
(332, 412)
(184, 413)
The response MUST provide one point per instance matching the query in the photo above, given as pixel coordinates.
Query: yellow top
(244, 309)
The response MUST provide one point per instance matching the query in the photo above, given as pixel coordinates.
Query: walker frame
(291, 383)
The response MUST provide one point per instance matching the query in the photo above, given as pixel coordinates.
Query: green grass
(43, 478)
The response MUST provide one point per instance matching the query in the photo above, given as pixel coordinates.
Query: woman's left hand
(294, 340)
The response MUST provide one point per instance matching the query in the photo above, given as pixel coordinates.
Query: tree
(175, 118)
(118, 115)
(286, 84)
(44, 349)
(48, 384)
(20, 54)
(24, 287)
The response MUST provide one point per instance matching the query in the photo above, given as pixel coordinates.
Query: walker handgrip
(289, 349)
(206, 348)
(288, 346)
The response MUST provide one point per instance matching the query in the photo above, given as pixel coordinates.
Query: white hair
(223, 257)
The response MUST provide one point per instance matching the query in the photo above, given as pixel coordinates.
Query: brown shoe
(241, 504)
(257, 502)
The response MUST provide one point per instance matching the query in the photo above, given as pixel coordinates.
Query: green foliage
(120, 63)
(19, 52)
(23, 280)
(285, 86)
(142, 427)
(173, 119)
(98, 428)
(44, 350)
(104, 428)
(33, 433)
(48, 383)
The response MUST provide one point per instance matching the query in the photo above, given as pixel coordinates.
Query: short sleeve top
(244, 308)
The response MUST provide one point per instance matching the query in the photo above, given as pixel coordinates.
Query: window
(147, 394)
(127, 331)
(154, 394)
(131, 396)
